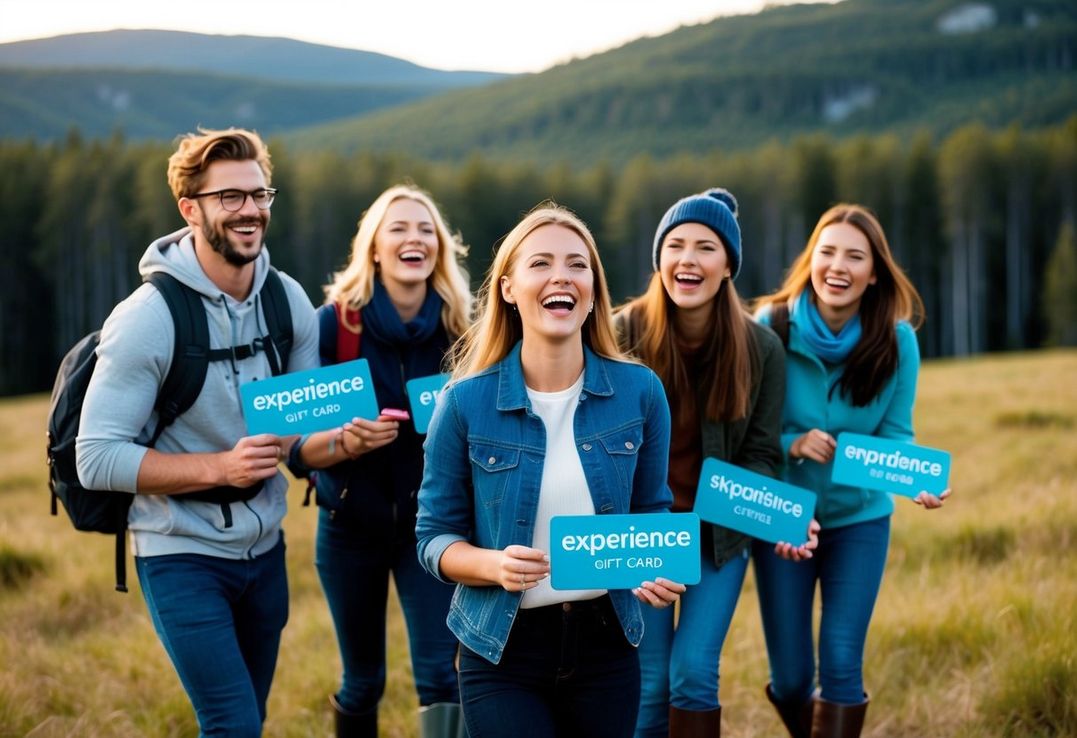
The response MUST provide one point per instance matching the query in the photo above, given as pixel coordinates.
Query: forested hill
(855, 66)
(46, 104)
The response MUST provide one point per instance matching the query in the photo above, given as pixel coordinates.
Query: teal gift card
(423, 394)
(309, 401)
(890, 466)
(623, 551)
(759, 506)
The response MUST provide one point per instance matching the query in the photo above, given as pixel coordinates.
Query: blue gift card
(423, 394)
(890, 466)
(759, 506)
(622, 551)
(309, 401)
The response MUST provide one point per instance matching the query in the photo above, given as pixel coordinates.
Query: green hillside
(45, 104)
(852, 67)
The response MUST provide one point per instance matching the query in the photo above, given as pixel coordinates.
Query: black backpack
(105, 511)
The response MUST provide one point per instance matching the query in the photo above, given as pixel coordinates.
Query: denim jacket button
(629, 445)
(586, 447)
(491, 460)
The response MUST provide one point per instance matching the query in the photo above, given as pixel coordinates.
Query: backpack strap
(190, 356)
(779, 322)
(349, 328)
(278, 315)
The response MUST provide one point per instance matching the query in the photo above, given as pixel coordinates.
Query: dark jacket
(376, 493)
(754, 442)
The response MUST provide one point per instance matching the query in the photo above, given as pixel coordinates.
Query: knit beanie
(717, 209)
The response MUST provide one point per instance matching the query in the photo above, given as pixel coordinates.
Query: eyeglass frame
(271, 191)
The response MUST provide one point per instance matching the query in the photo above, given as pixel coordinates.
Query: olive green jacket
(753, 442)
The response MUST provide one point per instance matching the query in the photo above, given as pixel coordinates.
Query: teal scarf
(833, 349)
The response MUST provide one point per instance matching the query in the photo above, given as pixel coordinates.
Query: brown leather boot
(796, 716)
(831, 720)
(694, 723)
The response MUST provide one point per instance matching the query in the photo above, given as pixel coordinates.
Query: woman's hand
(816, 445)
(930, 501)
(659, 593)
(362, 436)
(520, 568)
(803, 552)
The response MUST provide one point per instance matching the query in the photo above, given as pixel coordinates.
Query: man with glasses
(205, 520)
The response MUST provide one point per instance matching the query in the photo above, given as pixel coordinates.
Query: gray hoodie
(132, 360)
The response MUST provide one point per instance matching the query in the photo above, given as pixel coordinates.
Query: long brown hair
(891, 299)
(497, 329)
(728, 357)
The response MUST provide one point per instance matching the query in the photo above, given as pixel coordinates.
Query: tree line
(975, 219)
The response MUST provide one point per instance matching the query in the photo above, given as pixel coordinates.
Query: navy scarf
(418, 345)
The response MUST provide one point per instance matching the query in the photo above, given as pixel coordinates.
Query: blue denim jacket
(484, 457)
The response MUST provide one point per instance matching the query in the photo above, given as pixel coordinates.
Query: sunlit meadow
(973, 635)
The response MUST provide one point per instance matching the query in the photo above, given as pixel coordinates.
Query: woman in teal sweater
(852, 362)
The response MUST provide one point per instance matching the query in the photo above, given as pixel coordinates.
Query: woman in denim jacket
(851, 365)
(544, 417)
(724, 375)
(402, 298)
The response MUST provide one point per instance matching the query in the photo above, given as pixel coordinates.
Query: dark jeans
(567, 670)
(680, 667)
(220, 622)
(354, 571)
(848, 565)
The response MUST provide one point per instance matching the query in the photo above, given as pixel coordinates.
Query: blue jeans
(848, 565)
(220, 622)
(354, 572)
(566, 670)
(680, 667)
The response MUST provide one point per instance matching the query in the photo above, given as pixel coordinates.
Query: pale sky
(489, 35)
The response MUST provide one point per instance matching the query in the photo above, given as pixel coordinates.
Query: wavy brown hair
(729, 357)
(196, 151)
(891, 299)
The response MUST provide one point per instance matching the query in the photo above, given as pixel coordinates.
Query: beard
(217, 237)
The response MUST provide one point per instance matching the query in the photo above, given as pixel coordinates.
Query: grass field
(973, 635)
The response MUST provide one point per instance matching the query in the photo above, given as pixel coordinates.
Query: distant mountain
(277, 59)
(156, 84)
(859, 66)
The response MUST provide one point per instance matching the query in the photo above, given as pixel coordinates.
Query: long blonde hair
(353, 286)
(891, 299)
(497, 329)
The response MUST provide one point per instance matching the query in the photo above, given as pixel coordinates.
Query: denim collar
(512, 392)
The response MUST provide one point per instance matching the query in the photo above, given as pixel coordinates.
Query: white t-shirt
(564, 489)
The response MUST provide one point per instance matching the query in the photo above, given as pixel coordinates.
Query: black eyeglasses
(232, 200)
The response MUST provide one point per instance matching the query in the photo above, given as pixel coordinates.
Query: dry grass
(973, 635)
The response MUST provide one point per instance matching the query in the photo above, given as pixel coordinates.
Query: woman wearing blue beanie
(844, 312)
(724, 376)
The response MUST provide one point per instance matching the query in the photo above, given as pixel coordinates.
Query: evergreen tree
(1060, 290)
